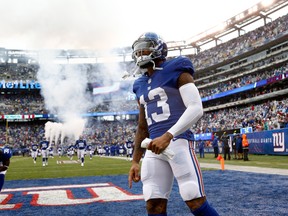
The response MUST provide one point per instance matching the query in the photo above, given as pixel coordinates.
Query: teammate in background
(39, 152)
(34, 152)
(169, 104)
(90, 149)
(121, 149)
(81, 144)
(59, 150)
(70, 151)
(100, 150)
(51, 152)
(44, 146)
(76, 148)
(5, 155)
(129, 149)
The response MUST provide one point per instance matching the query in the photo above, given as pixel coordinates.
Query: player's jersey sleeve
(137, 85)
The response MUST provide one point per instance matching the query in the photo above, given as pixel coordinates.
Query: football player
(70, 151)
(76, 148)
(51, 152)
(129, 149)
(90, 149)
(44, 146)
(34, 152)
(59, 150)
(81, 145)
(169, 105)
(5, 155)
(100, 150)
(121, 149)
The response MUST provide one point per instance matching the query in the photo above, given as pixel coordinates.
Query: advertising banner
(273, 142)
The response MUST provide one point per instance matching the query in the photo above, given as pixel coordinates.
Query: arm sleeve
(194, 109)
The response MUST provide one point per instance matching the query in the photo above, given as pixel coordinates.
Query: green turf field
(24, 168)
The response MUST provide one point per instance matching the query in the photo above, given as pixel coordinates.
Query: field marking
(56, 187)
(262, 170)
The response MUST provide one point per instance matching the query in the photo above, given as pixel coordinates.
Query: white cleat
(43, 164)
(82, 164)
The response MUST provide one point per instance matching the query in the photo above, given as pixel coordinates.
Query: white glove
(167, 152)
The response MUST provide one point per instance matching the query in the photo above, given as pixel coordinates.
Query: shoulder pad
(7, 153)
(182, 64)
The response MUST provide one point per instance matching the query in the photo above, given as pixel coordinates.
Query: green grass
(24, 168)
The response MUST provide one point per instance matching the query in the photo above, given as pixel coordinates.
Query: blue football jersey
(160, 96)
(81, 144)
(34, 147)
(129, 144)
(89, 147)
(44, 144)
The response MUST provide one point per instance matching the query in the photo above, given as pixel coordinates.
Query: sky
(106, 24)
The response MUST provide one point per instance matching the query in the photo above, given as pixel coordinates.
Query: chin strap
(156, 68)
(138, 70)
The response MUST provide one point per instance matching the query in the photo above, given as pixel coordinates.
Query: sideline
(253, 169)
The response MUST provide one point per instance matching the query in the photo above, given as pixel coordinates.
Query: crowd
(267, 116)
(21, 135)
(242, 44)
(264, 115)
(239, 81)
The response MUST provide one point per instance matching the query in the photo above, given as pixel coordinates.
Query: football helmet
(148, 47)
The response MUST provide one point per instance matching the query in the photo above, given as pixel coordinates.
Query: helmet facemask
(143, 53)
(147, 49)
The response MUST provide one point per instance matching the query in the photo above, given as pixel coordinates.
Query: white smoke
(63, 87)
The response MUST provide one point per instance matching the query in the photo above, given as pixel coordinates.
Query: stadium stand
(242, 82)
